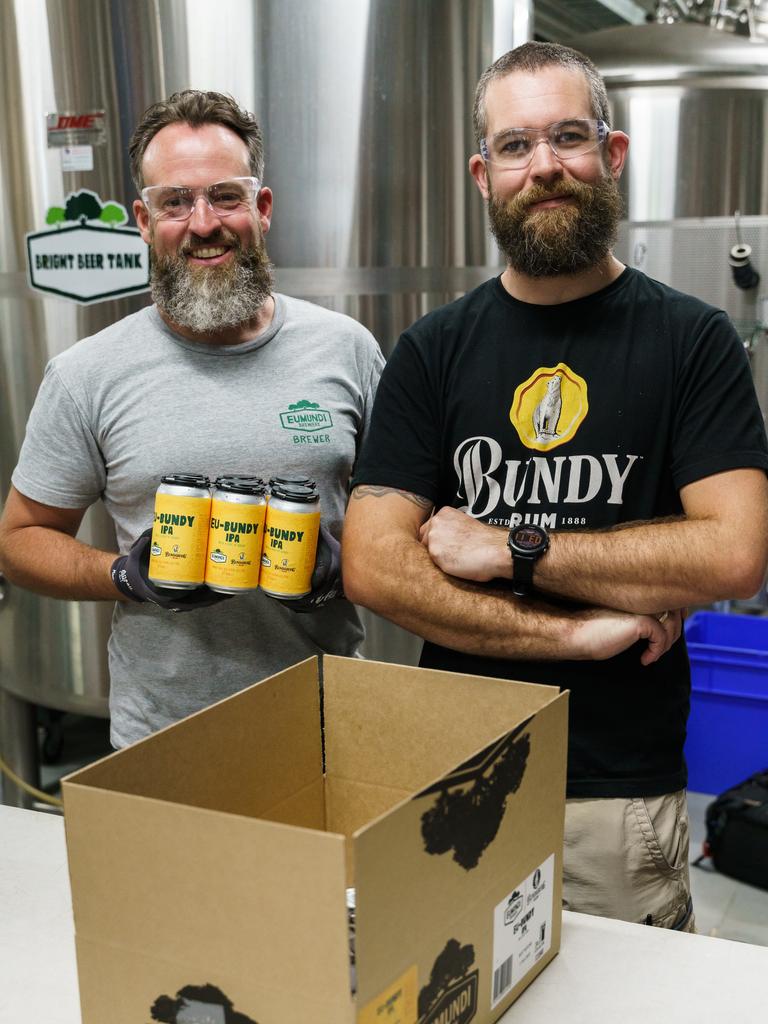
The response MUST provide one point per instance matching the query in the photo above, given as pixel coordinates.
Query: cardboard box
(209, 862)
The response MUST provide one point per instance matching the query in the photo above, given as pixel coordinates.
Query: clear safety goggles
(224, 198)
(514, 147)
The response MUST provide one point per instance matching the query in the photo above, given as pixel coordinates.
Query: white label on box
(522, 929)
(77, 158)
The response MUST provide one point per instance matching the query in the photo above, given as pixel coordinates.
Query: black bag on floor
(737, 831)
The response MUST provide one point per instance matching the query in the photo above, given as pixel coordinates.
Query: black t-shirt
(577, 416)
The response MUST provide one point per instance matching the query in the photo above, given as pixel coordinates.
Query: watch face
(529, 538)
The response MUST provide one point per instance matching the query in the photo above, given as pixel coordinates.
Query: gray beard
(209, 300)
(562, 240)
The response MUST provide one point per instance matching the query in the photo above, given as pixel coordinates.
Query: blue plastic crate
(728, 727)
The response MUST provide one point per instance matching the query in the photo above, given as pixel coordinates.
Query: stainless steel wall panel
(694, 252)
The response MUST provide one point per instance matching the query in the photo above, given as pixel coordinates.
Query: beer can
(291, 530)
(180, 531)
(238, 507)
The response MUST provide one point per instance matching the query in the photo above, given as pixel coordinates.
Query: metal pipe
(18, 745)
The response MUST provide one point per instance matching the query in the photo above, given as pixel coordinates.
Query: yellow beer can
(291, 530)
(180, 531)
(238, 508)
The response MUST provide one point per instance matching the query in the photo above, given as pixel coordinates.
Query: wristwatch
(526, 544)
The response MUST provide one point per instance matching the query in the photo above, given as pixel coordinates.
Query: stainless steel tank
(366, 109)
(694, 102)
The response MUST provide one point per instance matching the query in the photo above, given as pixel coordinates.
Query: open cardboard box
(209, 862)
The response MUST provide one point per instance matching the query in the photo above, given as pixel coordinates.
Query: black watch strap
(522, 574)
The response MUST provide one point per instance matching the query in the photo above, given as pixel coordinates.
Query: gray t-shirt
(122, 408)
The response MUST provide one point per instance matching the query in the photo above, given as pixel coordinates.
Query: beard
(560, 240)
(207, 300)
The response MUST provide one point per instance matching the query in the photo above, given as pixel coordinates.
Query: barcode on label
(502, 979)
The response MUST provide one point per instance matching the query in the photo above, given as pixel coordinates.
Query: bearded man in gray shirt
(196, 382)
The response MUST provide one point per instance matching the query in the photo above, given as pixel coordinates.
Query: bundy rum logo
(556, 479)
(450, 997)
(471, 800)
(197, 1004)
(548, 408)
(306, 416)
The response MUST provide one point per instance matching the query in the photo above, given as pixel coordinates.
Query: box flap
(397, 728)
(247, 754)
(167, 895)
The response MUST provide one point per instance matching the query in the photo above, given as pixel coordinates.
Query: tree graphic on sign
(83, 206)
(113, 214)
(56, 215)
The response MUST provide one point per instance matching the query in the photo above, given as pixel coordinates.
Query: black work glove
(326, 577)
(130, 576)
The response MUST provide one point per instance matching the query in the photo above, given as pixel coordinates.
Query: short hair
(533, 57)
(196, 108)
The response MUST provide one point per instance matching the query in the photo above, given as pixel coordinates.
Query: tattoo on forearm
(374, 491)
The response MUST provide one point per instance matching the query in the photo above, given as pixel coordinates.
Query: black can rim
(186, 480)
(241, 484)
(295, 492)
(292, 481)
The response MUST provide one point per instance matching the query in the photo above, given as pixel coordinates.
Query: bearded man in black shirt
(591, 436)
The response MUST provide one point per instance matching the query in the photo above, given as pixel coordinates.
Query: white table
(607, 972)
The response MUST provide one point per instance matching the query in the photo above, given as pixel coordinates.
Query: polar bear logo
(547, 412)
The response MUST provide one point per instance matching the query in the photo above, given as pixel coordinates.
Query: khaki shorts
(628, 859)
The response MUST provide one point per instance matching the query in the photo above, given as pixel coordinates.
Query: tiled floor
(724, 907)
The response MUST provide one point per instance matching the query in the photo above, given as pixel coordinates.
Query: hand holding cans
(241, 537)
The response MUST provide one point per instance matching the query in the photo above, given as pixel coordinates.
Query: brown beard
(207, 300)
(559, 240)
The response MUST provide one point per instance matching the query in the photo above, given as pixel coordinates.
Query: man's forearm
(395, 577)
(451, 612)
(56, 565)
(644, 568)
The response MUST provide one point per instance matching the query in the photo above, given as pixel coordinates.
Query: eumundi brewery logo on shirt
(547, 411)
(308, 423)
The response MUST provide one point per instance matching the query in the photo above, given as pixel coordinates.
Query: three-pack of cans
(235, 535)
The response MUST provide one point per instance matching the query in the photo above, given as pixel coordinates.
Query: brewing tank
(694, 101)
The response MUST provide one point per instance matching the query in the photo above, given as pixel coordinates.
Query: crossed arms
(430, 575)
